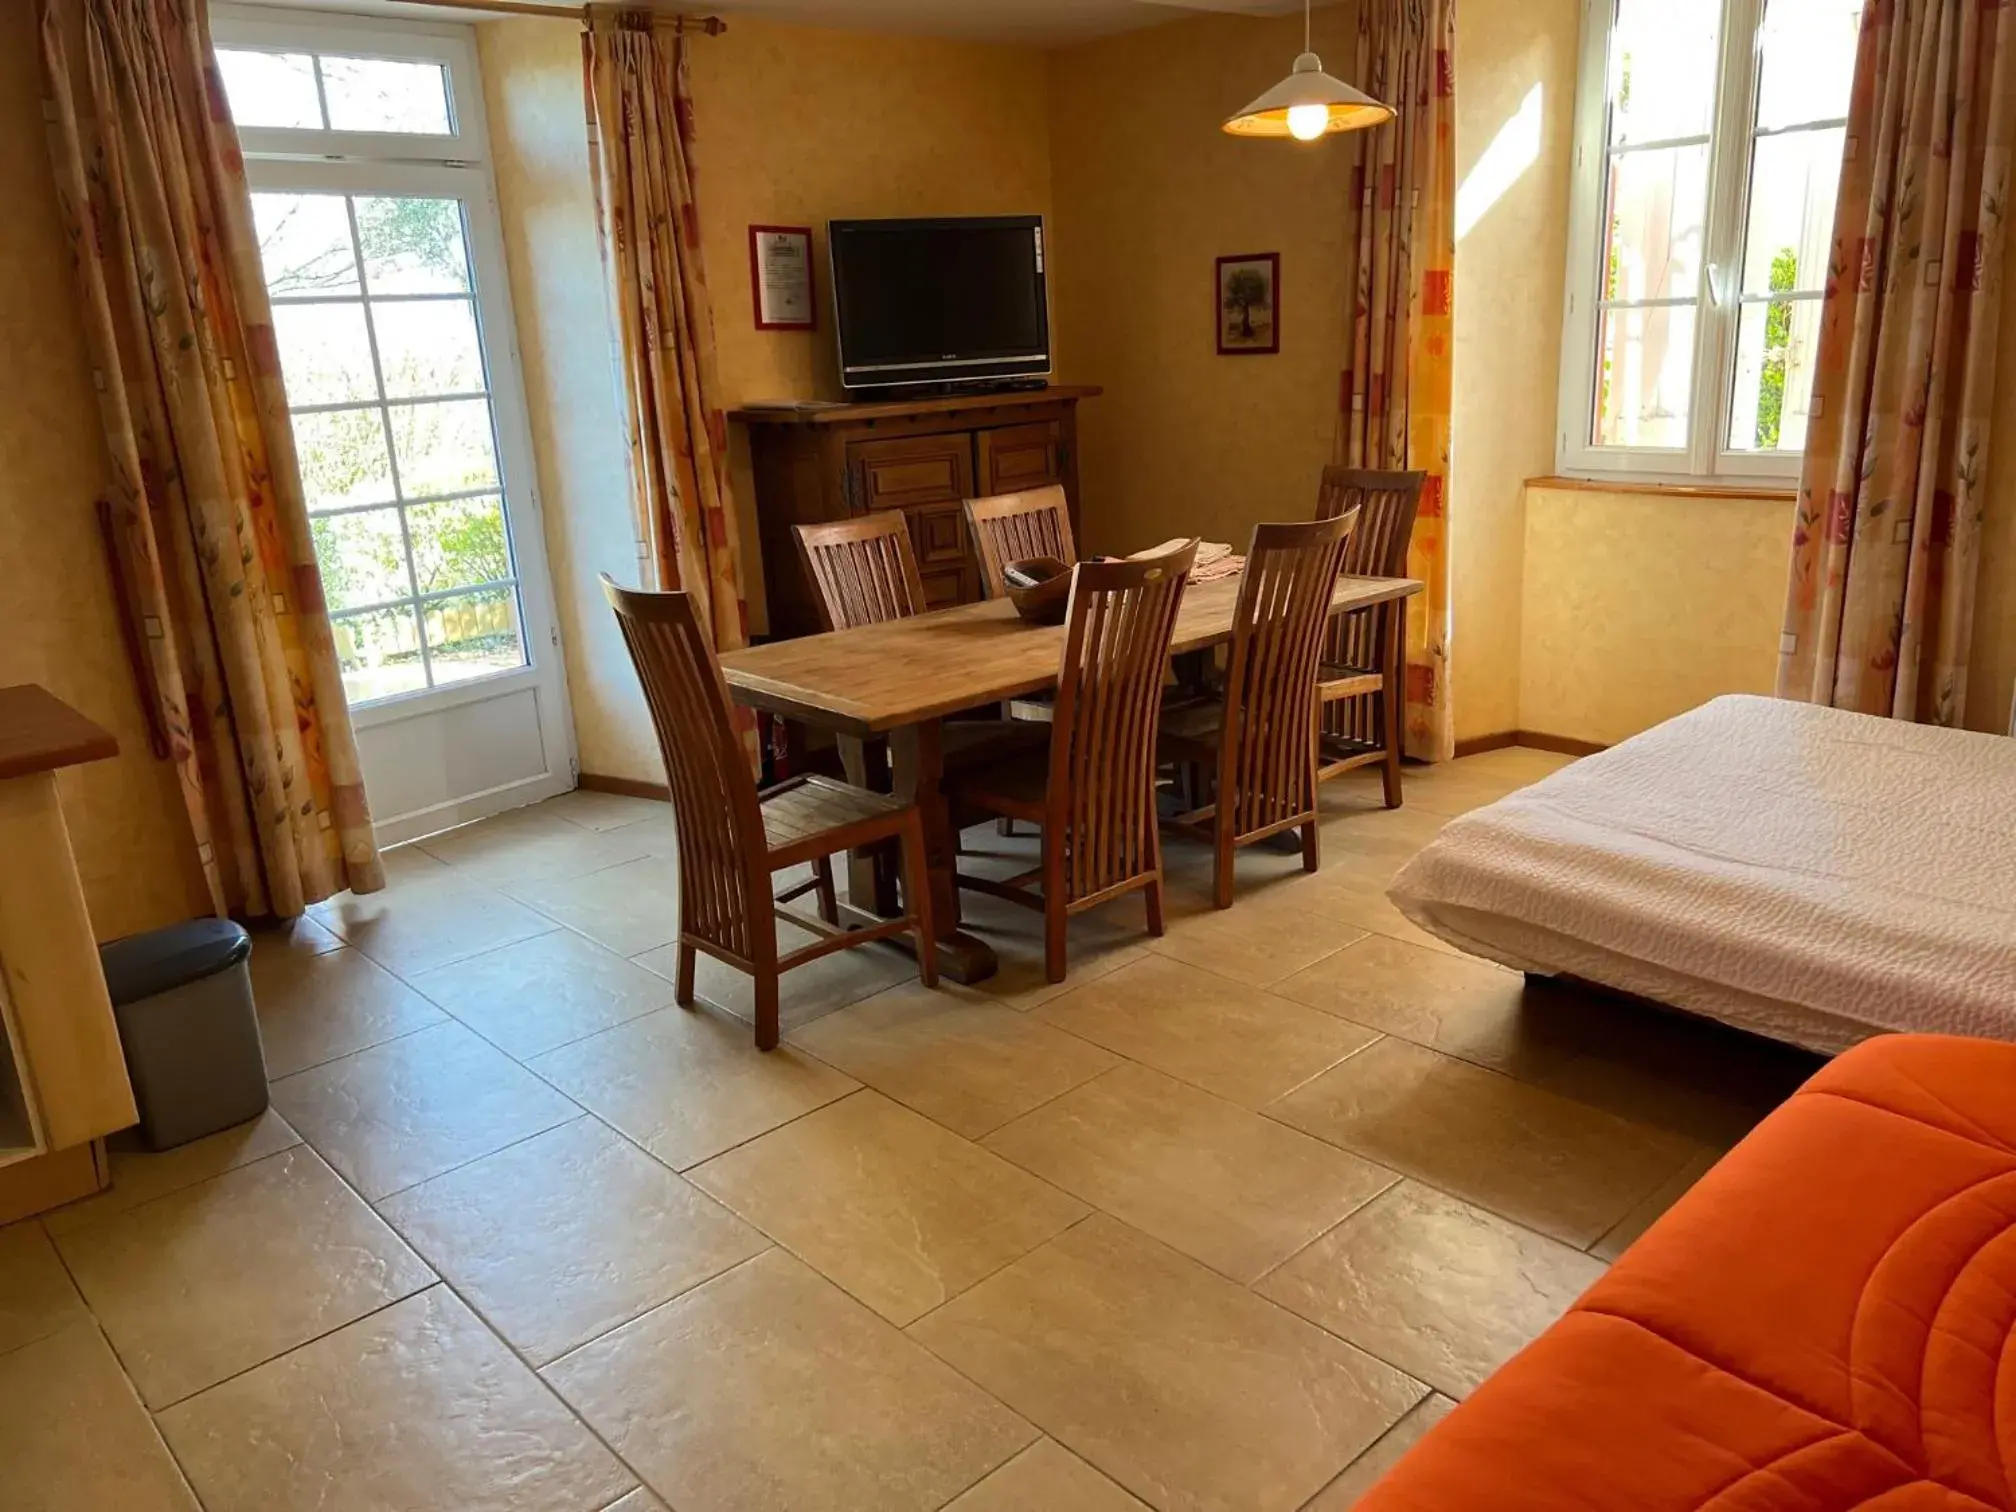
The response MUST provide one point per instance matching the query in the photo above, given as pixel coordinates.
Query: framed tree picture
(1248, 308)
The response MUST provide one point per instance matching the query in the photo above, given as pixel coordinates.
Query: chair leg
(1222, 862)
(917, 883)
(1393, 697)
(1312, 846)
(766, 1008)
(1056, 927)
(682, 987)
(829, 901)
(1152, 896)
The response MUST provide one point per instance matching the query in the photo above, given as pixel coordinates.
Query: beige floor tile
(1224, 1185)
(1046, 1477)
(1021, 984)
(567, 1235)
(416, 1406)
(607, 811)
(955, 1055)
(1344, 1493)
(768, 1387)
(629, 909)
(1632, 1226)
(545, 992)
(890, 1207)
(36, 1297)
(140, 1175)
(74, 1437)
(1239, 1042)
(531, 845)
(1258, 941)
(689, 1083)
(209, 1281)
(1463, 1007)
(300, 937)
(1537, 1158)
(1443, 1290)
(640, 1500)
(323, 1007)
(1353, 897)
(1186, 1389)
(427, 916)
(811, 992)
(401, 1112)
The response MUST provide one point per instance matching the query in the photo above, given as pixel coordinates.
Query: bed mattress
(1804, 873)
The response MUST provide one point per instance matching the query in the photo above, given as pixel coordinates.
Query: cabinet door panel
(1018, 457)
(907, 471)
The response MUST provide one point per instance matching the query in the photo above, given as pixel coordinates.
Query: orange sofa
(1824, 1322)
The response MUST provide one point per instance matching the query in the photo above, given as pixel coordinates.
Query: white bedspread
(1808, 874)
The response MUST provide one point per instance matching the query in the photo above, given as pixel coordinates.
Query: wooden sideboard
(925, 457)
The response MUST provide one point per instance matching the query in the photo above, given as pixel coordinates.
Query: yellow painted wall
(797, 126)
(1992, 662)
(1149, 193)
(1637, 607)
(57, 623)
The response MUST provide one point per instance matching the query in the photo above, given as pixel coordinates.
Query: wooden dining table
(900, 679)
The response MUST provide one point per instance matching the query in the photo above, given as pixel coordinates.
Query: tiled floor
(1227, 1221)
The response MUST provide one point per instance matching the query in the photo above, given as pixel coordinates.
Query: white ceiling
(1031, 22)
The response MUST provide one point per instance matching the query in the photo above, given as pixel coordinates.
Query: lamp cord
(1307, 34)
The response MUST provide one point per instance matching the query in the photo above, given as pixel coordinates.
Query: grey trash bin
(183, 1000)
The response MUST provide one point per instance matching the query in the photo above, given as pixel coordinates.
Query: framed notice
(780, 273)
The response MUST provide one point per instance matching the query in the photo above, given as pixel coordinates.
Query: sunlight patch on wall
(1515, 149)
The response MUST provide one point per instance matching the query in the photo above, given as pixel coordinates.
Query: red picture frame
(1247, 327)
(763, 240)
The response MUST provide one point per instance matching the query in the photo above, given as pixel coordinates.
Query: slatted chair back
(1101, 792)
(1387, 505)
(724, 894)
(1014, 527)
(1267, 751)
(864, 570)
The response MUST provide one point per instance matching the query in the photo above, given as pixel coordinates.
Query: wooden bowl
(1048, 598)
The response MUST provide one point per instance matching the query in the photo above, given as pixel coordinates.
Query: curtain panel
(640, 134)
(1397, 393)
(208, 512)
(1886, 543)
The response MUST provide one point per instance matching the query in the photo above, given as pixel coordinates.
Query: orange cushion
(1824, 1322)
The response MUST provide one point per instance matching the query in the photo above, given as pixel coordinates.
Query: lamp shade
(1305, 92)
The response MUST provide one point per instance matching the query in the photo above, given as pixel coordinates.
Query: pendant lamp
(1308, 104)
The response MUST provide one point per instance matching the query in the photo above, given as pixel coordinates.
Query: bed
(1803, 873)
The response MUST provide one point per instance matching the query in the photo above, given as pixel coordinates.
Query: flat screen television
(952, 300)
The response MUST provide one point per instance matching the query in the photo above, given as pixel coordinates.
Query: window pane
(363, 558)
(1644, 376)
(444, 448)
(1658, 204)
(343, 458)
(1662, 69)
(325, 354)
(378, 94)
(1793, 183)
(1808, 49)
(1776, 343)
(379, 653)
(429, 347)
(474, 634)
(304, 243)
(270, 89)
(413, 246)
(458, 542)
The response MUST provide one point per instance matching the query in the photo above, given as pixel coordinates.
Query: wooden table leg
(1393, 701)
(871, 870)
(918, 756)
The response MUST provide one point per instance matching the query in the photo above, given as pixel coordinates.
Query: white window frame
(1707, 457)
(455, 165)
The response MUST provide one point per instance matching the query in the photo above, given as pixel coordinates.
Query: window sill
(1762, 492)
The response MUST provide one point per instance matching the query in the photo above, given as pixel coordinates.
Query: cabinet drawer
(1018, 457)
(906, 471)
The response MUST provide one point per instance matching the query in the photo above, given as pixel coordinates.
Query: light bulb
(1308, 122)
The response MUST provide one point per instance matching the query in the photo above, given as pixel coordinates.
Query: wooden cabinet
(925, 457)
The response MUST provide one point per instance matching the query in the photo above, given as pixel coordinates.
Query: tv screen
(937, 301)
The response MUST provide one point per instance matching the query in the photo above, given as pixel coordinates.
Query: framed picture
(780, 274)
(1249, 304)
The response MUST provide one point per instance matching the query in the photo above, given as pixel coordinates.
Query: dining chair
(732, 839)
(1014, 527)
(864, 570)
(1361, 704)
(1093, 791)
(1259, 740)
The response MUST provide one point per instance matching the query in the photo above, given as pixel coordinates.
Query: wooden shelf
(869, 411)
(39, 733)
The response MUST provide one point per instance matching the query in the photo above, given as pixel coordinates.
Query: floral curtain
(1397, 393)
(1886, 542)
(208, 513)
(640, 132)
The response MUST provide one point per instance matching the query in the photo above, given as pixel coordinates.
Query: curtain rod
(712, 25)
